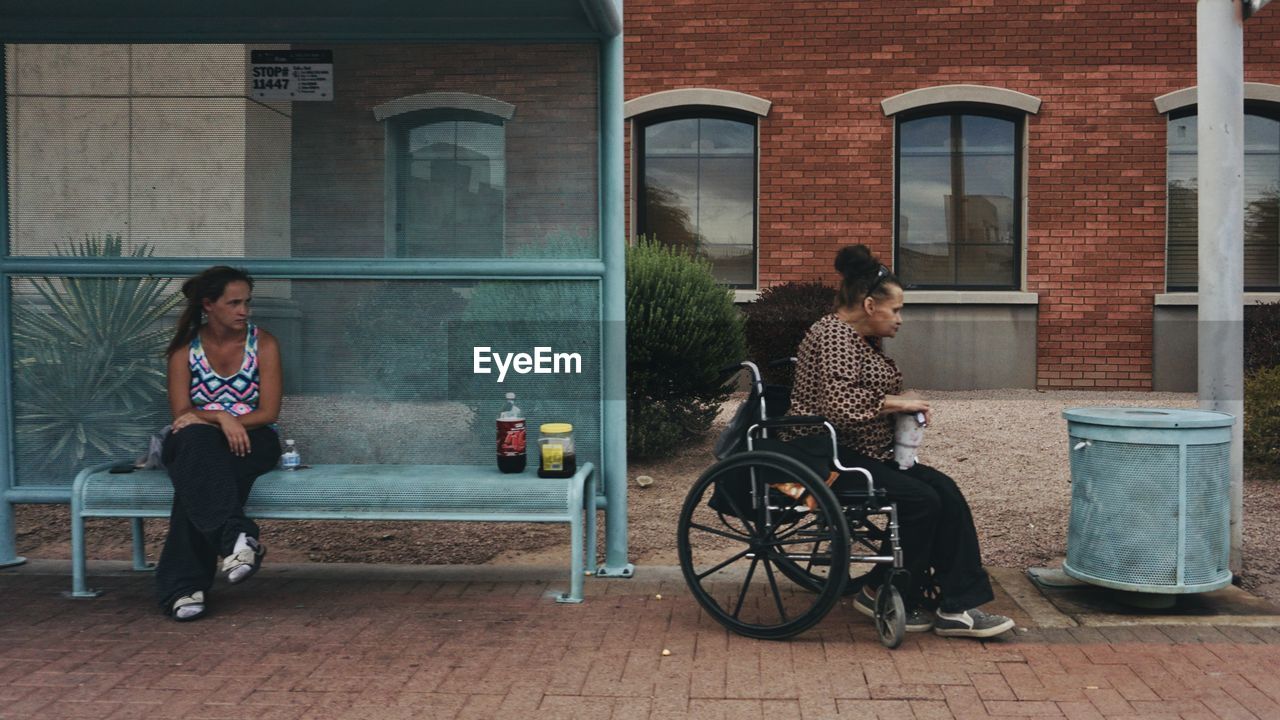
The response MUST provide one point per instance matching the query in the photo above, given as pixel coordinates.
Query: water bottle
(290, 460)
(511, 437)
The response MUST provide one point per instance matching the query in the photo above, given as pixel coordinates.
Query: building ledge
(940, 297)
(970, 297)
(1190, 298)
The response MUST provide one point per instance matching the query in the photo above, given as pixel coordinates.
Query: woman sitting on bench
(843, 375)
(225, 384)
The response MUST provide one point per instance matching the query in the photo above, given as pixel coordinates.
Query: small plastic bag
(155, 449)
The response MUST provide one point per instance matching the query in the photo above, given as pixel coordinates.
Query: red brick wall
(1095, 159)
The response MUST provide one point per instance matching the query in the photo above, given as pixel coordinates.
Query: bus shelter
(419, 188)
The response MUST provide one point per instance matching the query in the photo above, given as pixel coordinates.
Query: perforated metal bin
(1150, 499)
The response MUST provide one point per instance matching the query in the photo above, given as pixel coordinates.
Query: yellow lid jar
(556, 455)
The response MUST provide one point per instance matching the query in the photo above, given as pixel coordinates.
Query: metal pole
(1220, 139)
(8, 532)
(614, 316)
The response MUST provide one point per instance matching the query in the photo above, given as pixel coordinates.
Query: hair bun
(855, 261)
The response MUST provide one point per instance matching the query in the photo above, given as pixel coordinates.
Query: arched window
(1261, 199)
(695, 175)
(958, 186)
(446, 175)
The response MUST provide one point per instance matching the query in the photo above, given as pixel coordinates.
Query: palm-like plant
(88, 360)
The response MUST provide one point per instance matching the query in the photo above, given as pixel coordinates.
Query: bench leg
(78, 589)
(576, 567)
(591, 524)
(8, 536)
(140, 547)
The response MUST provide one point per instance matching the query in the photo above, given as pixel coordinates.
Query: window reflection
(698, 191)
(452, 188)
(1261, 203)
(957, 201)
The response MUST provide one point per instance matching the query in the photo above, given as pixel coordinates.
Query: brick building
(771, 133)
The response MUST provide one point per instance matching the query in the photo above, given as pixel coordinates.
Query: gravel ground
(1006, 448)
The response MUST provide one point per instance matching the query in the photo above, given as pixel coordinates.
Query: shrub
(682, 328)
(1261, 336)
(88, 362)
(1262, 415)
(778, 319)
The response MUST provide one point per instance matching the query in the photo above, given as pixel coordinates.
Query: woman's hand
(237, 436)
(910, 401)
(188, 418)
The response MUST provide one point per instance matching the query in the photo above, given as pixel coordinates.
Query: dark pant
(936, 531)
(210, 486)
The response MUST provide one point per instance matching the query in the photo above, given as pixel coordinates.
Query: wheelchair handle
(756, 380)
(783, 361)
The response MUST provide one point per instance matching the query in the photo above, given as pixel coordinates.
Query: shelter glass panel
(395, 371)
(171, 149)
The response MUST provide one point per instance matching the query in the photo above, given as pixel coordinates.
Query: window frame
(710, 112)
(1019, 119)
(396, 134)
(1260, 108)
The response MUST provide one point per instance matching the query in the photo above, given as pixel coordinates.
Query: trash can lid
(1147, 417)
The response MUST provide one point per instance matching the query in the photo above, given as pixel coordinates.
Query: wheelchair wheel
(891, 616)
(736, 534)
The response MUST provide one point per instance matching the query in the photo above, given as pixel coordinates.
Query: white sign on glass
(291, 74)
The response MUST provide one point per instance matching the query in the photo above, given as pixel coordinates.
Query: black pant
(936, 531)
(210, 486)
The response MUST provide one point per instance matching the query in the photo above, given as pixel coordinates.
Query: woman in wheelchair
(842, 375)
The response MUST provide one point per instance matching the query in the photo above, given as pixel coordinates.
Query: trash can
(1150, 499)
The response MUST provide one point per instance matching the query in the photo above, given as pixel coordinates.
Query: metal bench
(356, 492)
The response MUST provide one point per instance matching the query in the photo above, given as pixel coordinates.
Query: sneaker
(918, 619)
(971, 623)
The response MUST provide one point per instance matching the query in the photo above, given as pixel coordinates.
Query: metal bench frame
(455, 493)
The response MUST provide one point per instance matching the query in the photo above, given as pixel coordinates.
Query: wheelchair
(771, 510)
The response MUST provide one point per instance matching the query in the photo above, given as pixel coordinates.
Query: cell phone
(121, 469)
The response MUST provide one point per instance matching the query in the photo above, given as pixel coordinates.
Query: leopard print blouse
(842, 377)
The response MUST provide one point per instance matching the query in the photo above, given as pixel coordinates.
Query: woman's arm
(909, 401)
(847, 398)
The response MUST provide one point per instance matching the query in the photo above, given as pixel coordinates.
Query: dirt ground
(1007, 449)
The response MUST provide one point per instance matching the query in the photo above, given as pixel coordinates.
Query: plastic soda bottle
(290, 459)
(511, 437)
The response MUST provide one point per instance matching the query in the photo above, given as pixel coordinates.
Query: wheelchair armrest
(791, 421)
(802, 420)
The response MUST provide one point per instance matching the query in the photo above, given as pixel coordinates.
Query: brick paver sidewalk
(328, 641)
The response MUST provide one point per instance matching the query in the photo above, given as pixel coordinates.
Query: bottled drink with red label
(511, 438)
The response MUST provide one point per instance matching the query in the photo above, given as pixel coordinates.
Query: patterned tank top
(237, 393)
